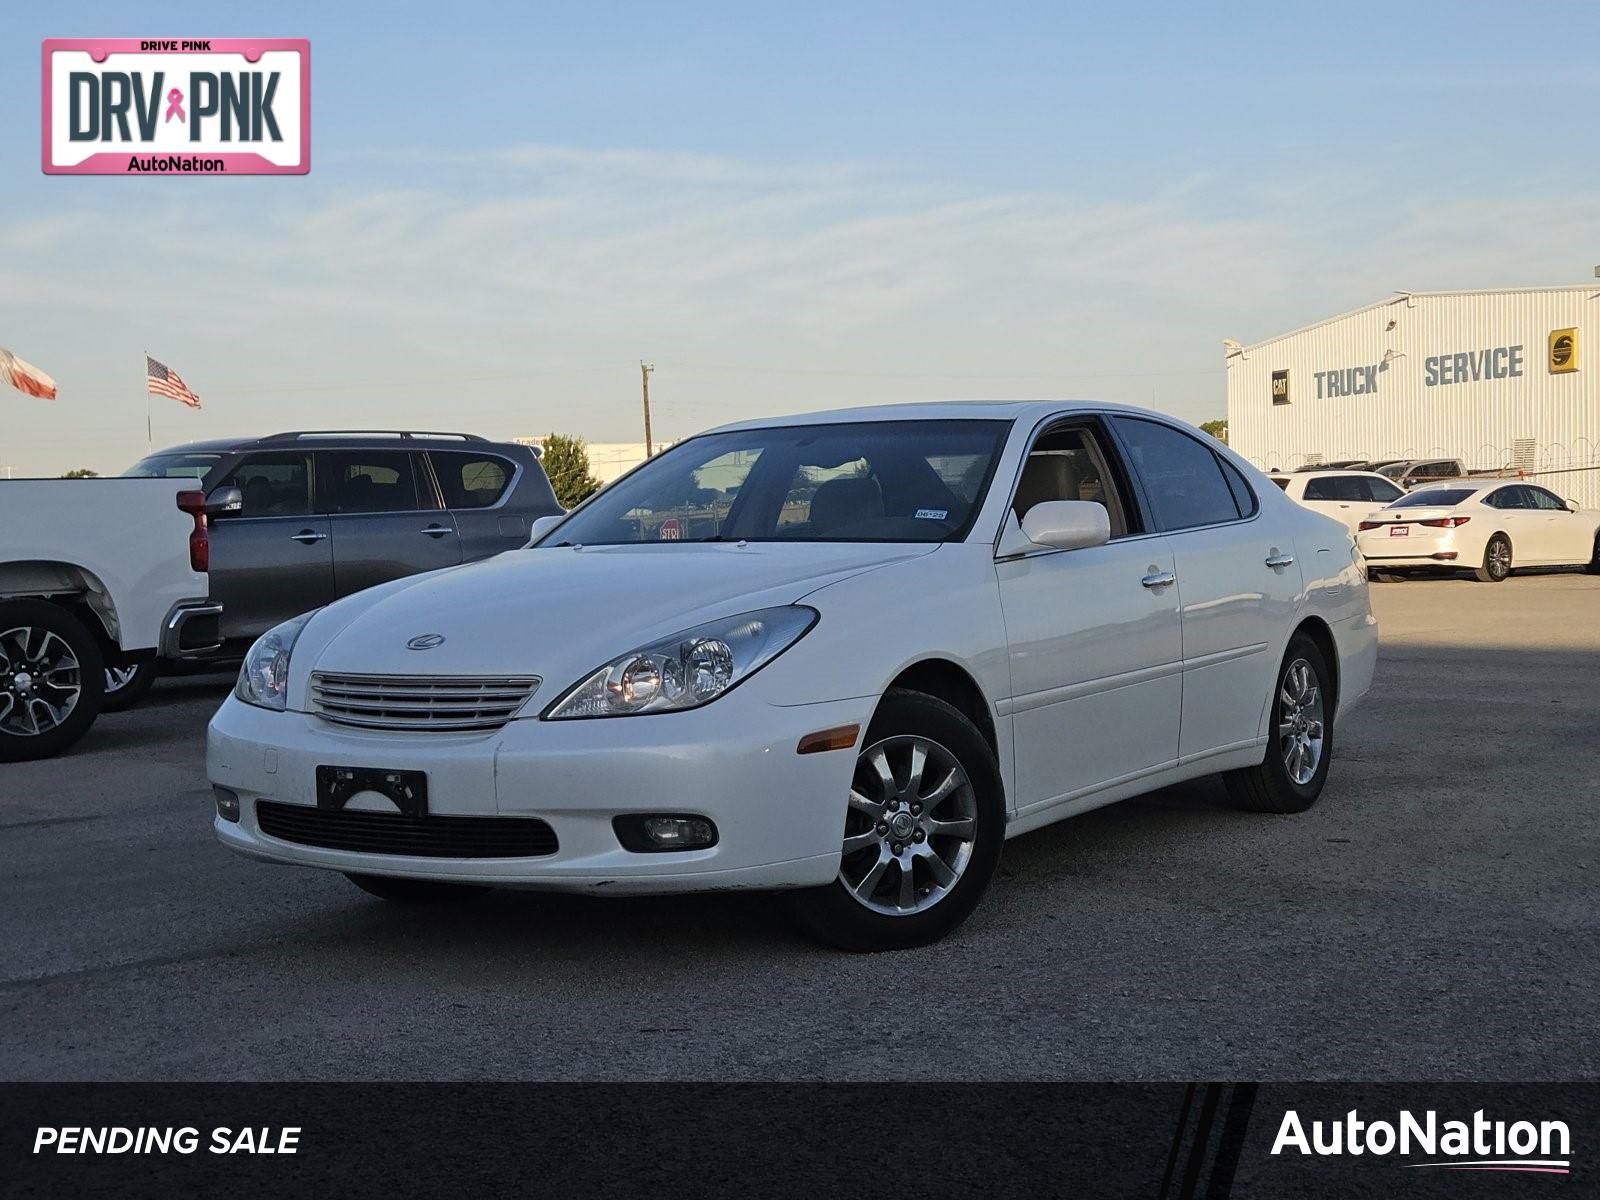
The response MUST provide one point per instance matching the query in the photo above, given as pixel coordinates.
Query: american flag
(162, 380)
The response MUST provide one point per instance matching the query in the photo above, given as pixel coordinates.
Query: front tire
(923, 828)
(1496, 560)
(1594, 562)
(1291, 776)
(52, 678)
(415, 891)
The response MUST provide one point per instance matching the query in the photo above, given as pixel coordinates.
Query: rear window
(471, 480)
(1433, 498)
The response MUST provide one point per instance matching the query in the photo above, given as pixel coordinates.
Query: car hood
(561, 612)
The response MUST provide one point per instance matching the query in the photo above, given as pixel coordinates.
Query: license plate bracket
(406, 790)
(1399, 531)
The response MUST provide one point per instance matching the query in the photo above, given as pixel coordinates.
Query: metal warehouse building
(1498, 379)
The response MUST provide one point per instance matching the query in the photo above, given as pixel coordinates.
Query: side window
(1068, 463)
(1544, 499)
(470, 480)
(1380, 490)
(1512, 497)
(274, 485)
(1184, 480)
(1243, 496)
(1320, 489)
(371, 481)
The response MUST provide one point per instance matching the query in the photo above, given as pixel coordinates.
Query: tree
(81, 473)
(1217, 429)
(566, 462)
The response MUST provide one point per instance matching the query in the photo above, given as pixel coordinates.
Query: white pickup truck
(97, 577)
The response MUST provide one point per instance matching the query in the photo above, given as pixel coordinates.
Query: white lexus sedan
(1486, 526)
(847, 654)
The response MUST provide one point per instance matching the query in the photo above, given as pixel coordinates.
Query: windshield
(173, 466)
(889, 481)
(1433, 498)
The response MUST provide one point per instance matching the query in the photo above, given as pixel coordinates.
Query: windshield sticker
(932, 514)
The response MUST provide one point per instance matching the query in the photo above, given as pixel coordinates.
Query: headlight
(688, 669)
(264, 678)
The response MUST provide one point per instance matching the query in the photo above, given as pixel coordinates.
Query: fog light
(227, 803)
(655, 833)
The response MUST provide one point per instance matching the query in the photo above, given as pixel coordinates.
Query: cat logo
(1280, 387)
(1563, 351)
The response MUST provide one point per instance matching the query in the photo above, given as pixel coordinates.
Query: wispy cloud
(513, 291)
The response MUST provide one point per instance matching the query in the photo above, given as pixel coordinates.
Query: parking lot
(1433, 917)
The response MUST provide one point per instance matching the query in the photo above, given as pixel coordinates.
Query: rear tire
(1287, 780)
(415, 891)
(1594, 562)
(923, 827)
(52, 679)
(1496, 566)
(128, 684)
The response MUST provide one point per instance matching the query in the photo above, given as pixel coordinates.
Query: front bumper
(779, 815)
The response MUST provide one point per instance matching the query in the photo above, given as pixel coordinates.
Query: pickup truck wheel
(126, 685)
(52, 678)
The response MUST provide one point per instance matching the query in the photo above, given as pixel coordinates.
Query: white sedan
(847, 654)
(1488, 526)
(1349, 497)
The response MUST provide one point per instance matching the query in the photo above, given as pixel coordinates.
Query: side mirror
(1065, 525)
(224, 500)
(542, 526)
(1573, 505)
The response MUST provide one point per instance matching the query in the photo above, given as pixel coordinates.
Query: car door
(386, 517)
(1567, 538)
(474, 486)
(273, 559)
(1238, 581)
(1523, 523)
(1092, 634)
(1336, 496)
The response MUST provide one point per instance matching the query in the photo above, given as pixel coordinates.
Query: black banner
(916, 1139)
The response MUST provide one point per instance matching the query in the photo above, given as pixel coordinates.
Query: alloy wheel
(911, 825)
(118, 678)
(40, 681)
(1499, 558)
(1300, 721)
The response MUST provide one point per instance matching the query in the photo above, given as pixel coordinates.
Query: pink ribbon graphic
(175, 106)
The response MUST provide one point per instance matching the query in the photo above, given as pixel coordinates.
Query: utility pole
(644, 379)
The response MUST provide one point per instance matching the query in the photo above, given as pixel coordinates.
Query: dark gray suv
(299, 519)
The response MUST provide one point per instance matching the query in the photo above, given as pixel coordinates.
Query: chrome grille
(433, 703)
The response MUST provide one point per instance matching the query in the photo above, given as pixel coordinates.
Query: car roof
(335, 439)
(1330, 473)
(939, 410)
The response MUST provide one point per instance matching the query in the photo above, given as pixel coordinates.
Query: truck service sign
(157, 106)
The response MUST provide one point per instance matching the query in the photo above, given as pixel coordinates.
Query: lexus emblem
(425, 641)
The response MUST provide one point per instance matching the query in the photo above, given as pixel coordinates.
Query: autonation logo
(1476, 1145)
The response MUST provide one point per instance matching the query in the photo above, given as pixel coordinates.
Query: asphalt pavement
(1434, 917)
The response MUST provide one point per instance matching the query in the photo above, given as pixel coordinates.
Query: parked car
(1414, 472)
(1346, 496)
(905, 634)
(300, 519)
(1347, 464)
(1489, 527)
(96, 575)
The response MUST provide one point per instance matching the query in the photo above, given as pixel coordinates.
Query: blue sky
(785, 207)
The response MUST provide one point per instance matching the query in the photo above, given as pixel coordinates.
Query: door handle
(1159, 579)
(436, 531)
(1277, 561)
(307, 536)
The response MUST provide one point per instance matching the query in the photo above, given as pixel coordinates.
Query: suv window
(371, 481)
(1380, 490)
(1182, 477)
(1333, 487)
(470, 480)
(1068, 463)
(273, 485)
